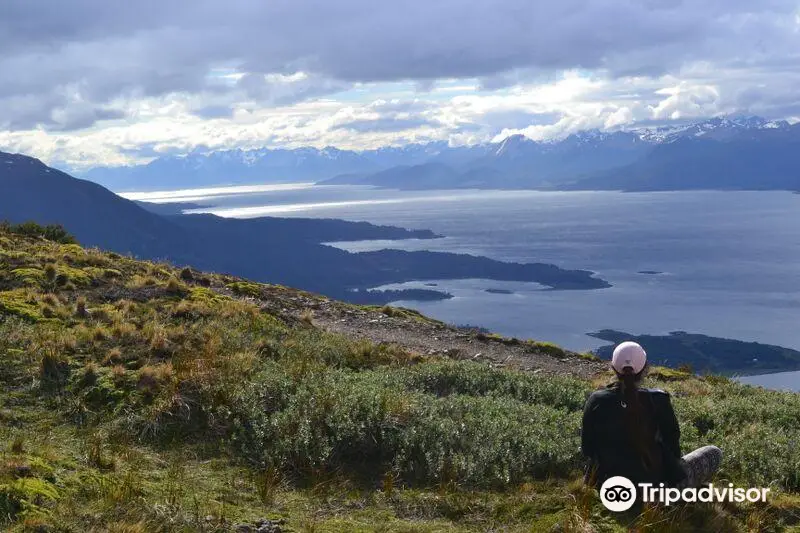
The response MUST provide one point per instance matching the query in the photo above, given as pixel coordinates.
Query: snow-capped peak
(717, 127)
(511, 143)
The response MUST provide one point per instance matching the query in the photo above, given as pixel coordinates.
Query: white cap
(629, 354)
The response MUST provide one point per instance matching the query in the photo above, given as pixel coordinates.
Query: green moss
(73, 249)
(79, 277)
(243, 288)
(111, 273)
(24, 496)
(16, 256)
(589, 356)
(99, 392)
(96, 274)
(549, 348)
(403, 312)
(19, 303)
(31, 277)
(489, 336)
(208, 296)
(663, 373)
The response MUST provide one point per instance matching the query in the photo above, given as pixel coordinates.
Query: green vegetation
(52, 232)
(139, 397)
(244, 288)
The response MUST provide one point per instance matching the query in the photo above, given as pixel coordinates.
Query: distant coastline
(702, 353)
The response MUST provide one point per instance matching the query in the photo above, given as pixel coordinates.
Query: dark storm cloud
(289, 90)
(77, 118)
(103, 49)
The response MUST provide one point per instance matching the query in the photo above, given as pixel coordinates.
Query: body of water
(789, 381)
(725, 264)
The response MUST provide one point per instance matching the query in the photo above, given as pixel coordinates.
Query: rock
(263, 525)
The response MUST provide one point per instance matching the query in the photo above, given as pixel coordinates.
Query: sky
(87, 83)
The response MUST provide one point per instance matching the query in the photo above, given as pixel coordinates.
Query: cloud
(389, 124)
(162, 47)
(686, 100)
(300, 71)
(214, 111)
(279, 89)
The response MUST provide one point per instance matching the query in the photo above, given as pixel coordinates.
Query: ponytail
(638, 426)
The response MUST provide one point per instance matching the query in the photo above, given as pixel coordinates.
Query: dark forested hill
(286, 251)
(706, 354)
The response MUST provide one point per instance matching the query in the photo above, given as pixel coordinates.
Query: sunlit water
(729, 262)
(789, 381)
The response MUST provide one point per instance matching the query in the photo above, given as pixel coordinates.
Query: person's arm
(588, 432)
(589, 442)
(668, 425)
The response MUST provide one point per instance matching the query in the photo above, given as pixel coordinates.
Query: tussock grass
(141, 399)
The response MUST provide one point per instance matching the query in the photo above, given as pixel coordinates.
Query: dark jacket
(606, 442)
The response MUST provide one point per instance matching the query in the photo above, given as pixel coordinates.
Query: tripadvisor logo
(619, 494)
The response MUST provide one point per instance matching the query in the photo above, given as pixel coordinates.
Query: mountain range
(200, 168)
(721, 153)
(282, 251)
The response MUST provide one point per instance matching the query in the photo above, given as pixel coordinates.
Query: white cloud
(686, 100)
(94, 82)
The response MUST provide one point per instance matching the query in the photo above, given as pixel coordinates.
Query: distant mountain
(228, 167)
(284, 251)
(425, 176)
(588, 159)
(756, 159)
(526, 163)
(515, 163)
(232, 166)
(719, 129)
(744, 153)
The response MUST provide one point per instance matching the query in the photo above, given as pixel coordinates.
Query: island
(380, 297)
(703, 354)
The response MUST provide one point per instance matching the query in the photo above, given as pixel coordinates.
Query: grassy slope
(137, 397)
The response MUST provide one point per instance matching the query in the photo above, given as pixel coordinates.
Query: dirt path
(422, 335)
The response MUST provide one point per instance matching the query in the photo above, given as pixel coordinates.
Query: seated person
(633, 432)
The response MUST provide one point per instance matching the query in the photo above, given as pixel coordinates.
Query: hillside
(140, 397)
(30, 190)
(286, 251)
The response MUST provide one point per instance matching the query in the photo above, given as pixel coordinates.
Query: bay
(724, 264)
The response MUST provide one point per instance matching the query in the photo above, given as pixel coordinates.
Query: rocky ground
(423, 335)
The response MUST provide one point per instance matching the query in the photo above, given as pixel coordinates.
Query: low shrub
(242, 288)
(363, 422)
(475, 379)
